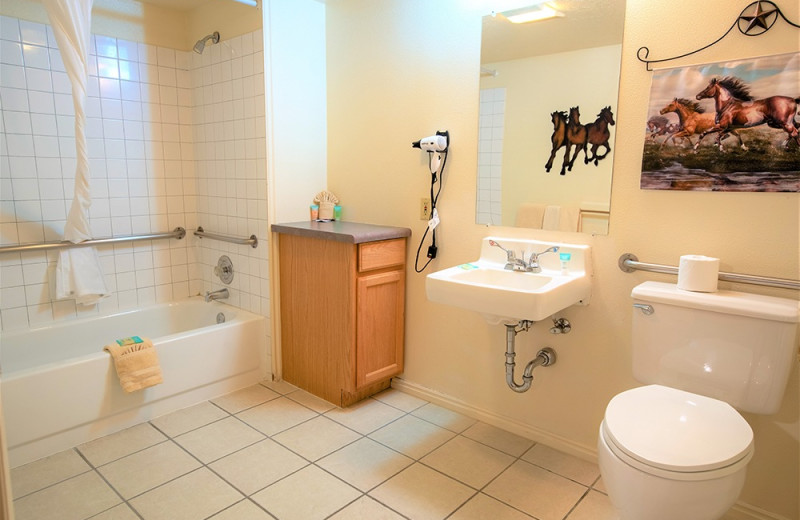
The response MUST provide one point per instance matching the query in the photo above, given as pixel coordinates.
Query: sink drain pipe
(544, 357)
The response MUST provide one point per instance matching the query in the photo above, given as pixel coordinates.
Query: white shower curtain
(78, 274)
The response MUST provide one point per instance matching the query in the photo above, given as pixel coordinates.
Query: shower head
(201, 44)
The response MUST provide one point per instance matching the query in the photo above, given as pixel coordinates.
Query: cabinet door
(379, 327)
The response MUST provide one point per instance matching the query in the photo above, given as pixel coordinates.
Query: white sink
(502, 295)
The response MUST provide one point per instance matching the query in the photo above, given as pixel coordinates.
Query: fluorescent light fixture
(531, 14)
(251, 3)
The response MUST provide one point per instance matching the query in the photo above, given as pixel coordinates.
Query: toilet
(678, 448)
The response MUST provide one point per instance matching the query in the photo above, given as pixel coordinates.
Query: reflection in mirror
(549, 88)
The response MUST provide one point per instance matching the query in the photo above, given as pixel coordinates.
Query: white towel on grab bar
(78, 274)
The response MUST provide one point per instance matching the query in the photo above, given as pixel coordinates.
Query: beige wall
(402, 69)
(153, 24)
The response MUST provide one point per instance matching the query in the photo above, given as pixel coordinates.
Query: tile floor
(273, 451)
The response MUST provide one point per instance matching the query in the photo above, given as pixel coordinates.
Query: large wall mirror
(532, 75)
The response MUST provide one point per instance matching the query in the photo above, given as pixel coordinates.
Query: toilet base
(638, 495)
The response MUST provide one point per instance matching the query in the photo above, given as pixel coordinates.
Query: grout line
(114, 489)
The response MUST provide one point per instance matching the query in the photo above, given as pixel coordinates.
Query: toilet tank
(733, 346)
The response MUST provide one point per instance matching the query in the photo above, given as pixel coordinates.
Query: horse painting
(576, 136)
(693, 119)
(558, 139)
(597, 135)
(736, 108)
(657, 125)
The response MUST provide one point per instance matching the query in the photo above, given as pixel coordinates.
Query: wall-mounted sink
(504, 295)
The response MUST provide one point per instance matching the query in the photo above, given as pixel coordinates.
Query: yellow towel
(136, 362)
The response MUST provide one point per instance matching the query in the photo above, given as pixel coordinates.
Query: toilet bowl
(667, 454)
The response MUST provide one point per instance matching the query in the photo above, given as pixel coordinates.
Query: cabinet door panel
(379, 327)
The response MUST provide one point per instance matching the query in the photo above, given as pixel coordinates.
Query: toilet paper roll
(698, 273)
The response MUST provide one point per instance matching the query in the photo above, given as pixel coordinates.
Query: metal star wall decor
(756, 19)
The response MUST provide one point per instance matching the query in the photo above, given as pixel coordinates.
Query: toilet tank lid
(728, 302)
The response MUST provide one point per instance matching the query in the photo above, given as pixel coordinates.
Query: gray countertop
(341, 231)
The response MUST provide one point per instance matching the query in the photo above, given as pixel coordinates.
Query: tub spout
(217, 295)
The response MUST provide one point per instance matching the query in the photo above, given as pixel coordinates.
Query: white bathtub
(60, 389)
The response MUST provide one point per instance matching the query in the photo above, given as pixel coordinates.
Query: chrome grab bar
(252, 241)
(629, 263)
(177, 233)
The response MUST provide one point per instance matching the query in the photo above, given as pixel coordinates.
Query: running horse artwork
(576, 136)
(558, 139)
(693, 119)
(597, 135)
(736, 108)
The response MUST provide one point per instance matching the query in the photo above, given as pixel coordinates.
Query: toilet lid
(677, 431)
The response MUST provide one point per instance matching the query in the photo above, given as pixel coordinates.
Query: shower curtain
(78, 273)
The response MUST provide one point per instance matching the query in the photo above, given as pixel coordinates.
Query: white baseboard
(740, 511)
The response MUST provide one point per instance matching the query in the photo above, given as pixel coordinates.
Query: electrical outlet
(425, 209)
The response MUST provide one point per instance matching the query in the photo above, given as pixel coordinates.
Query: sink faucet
(512, 262)
(518, 264)
(217, 295)
(533, 265)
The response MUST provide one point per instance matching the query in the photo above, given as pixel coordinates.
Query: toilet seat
(676, 434)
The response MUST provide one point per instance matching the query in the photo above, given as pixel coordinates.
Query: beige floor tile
(316, 438)
(258, 466)
(309, 494)
(498, 438)
(421, 493)
(245, 398)
(412, 436)
(199, 494)
(594, 506)
(276, 416)
(482, 507)
(600, 486)
(244, 510)
(535, 491)
(443, 417)
(565, 465)
(120, 512)
(188, 419)
(117, 445)
(74, 499)
(365, 508)
(468, 461)
(282, 387)
(146, 469)
(365, 417)
(365, 463)
(401, 400)
(218, 439)
(310, 401)
(47, 471)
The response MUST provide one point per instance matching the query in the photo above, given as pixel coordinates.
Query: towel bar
(252, 241)
(630, 263)
(177, 233)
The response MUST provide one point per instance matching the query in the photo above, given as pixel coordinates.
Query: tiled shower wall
(490, 155)
(147, 106)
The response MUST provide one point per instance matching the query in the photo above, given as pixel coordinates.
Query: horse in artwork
(597, 135)
(736, 108)
(558, 139)
(576, 136)
(657, 125)
(693, 119)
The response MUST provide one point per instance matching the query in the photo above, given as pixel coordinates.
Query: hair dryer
(434, 145)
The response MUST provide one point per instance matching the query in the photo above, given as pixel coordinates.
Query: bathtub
(60, 389)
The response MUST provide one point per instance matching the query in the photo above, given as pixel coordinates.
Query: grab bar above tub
(630, 263)
(252, 241)
(177, 233)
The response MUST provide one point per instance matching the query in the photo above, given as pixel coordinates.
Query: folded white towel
(552, 218)
(78, 276)
(530, 216)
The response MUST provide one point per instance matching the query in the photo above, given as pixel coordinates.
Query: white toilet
(677, 449)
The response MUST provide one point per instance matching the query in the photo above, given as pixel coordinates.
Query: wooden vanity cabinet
(342, 315)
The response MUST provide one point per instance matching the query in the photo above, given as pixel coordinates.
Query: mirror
(532, 74)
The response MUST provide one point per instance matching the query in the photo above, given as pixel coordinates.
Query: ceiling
(586, 24)
(180, 5)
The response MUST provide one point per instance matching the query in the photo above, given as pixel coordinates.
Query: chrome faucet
(533, 265)
(217, 295)
(519, 264)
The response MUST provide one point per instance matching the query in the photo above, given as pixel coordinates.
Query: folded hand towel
(136, 362)
(530, 216)
(552, 218)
